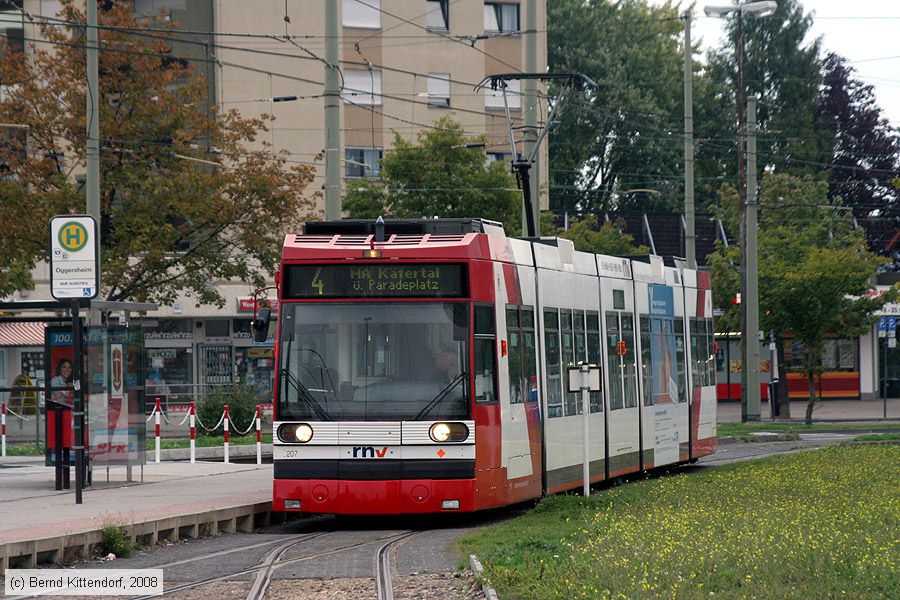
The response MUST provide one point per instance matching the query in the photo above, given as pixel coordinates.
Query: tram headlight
(295, 433)
(448, 432)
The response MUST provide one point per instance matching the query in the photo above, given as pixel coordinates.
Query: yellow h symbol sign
(73, 236)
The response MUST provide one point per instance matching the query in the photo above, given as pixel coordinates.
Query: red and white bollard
(156, 419)
(225, 420)
(193, 434)
(3, 429)
(258, 436)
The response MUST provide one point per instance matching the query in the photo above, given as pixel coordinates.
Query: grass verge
(32, 449)
(208, 441)
(813, 524)
(878, 437)
(736, 429)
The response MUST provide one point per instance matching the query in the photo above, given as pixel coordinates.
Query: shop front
(188, 357)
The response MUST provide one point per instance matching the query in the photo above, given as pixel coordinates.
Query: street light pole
(750, 298)
(750, 400)
(689, 242)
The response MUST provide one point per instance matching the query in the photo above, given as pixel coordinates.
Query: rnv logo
(369, 452)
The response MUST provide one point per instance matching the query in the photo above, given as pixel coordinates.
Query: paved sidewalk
(176, 499)
(826, 411)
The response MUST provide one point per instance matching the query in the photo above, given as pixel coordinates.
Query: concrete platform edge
(67, 547)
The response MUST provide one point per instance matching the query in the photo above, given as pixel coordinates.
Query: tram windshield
(378, 361)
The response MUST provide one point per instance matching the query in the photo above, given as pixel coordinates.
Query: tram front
(372, 406)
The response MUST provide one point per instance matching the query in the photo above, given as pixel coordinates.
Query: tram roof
(403, 227)
(455, 239)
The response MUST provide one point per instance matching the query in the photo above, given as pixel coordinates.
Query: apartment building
(404, 64)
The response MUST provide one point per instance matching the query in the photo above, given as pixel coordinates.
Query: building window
(501, 17)
(491, 157)
(168, 372)
(437, 14)
(217, 328)
(494, 98)
(155, 7)
(362, 162)
(363, 14)
(439, 89)
(362, 87)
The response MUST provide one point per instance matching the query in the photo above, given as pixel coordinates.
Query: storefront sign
(74, 266)
(248, 305)
(168, 335)
(890, 309)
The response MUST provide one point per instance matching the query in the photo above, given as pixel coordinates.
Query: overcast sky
(867, 32)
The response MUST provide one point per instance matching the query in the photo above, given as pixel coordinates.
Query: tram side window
(514, 337)
(698, 351)
(646, 362)
(710, 353)
(680, 369)
(529, 354)
(613, 337)
(522, 354)
(631, 399)
(552, 360)
(485, 354)
(593, 355)
(573, 404)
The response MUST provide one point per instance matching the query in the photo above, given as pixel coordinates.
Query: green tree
(168, 225)
(783, 70)
(618, 136)
(589, 236)
(814, 270)
(865, 150)
(441, 175)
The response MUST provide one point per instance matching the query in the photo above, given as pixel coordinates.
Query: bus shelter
(90, 388)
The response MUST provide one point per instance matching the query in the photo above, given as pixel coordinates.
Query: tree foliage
(814, 269)
(618, 136)
(168, 225)
(783, 71)
(439, 176)
(864, 148)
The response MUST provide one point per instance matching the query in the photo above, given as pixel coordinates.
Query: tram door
(620, 375)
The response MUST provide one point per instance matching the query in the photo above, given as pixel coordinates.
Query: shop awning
(22, 334)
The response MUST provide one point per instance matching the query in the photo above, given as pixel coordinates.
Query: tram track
(273, 560)
(383, 572)
(763, 449)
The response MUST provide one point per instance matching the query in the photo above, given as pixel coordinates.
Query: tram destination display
(376, 281)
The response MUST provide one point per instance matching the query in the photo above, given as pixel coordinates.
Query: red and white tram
(421, 367)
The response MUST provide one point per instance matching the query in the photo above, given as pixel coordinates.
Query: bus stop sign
(74, 259)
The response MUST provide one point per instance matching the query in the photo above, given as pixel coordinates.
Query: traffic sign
(74, 259)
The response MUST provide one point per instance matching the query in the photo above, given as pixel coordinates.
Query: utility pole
(750, 409)
(749, 286)
(332, 96)
(530, 104)
(689, 237)
(92, 177)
